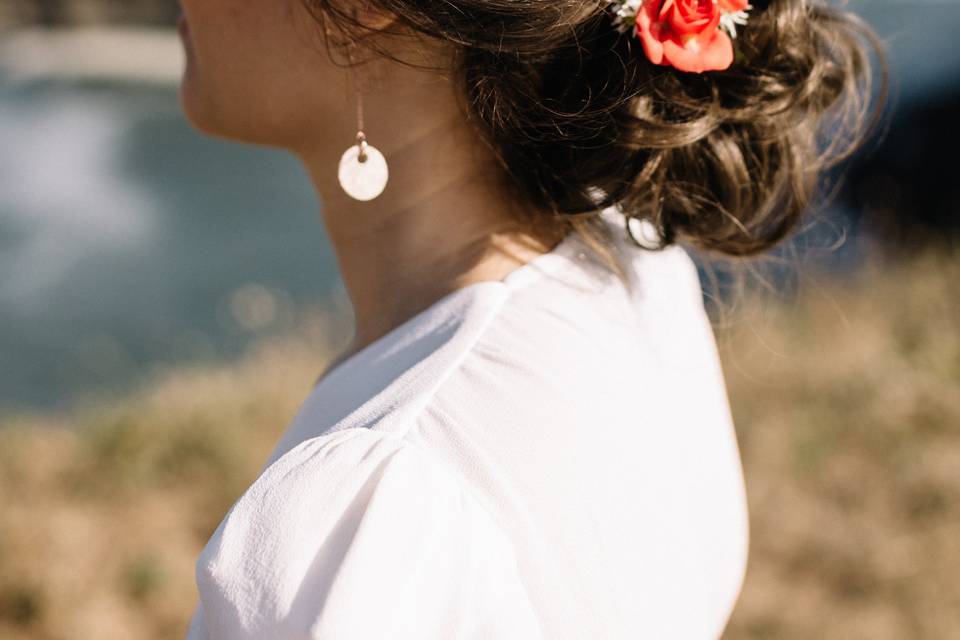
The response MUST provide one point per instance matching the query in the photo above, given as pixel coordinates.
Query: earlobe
(372, 17)
(356, 20)
(381, 20)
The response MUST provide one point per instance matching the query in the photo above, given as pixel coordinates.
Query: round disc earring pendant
(363, 171)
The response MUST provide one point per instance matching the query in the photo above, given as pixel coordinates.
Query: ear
(371, 15)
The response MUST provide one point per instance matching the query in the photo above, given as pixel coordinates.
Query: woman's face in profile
(257, 71)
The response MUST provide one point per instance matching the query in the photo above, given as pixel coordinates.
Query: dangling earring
(363, 169)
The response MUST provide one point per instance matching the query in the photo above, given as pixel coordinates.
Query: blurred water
(127, 239)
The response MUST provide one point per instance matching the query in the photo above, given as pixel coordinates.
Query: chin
(199, 110)
(214, 116)
(235, 118)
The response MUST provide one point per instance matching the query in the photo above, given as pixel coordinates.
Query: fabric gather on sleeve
(360, 534)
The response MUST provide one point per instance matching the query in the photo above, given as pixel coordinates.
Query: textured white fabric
(548, 456)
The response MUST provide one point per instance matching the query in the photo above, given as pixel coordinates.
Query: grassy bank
(848, 413)
(847, 405)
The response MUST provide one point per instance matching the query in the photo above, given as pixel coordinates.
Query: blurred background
(166, 301)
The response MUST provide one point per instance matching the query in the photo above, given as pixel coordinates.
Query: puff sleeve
(359, 534)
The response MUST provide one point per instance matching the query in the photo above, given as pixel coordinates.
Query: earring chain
(361, 136)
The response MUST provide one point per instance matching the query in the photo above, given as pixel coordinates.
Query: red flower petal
(733, 5)
(692, 16)
(684, 34)
(715, 55)
(649, 33)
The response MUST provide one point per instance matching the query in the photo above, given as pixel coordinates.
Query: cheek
(255, 69)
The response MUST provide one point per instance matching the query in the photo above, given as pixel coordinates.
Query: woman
(529, 436)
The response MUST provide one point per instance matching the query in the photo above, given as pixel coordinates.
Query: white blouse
(547, 456)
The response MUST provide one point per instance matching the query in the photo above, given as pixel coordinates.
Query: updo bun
(580, 120)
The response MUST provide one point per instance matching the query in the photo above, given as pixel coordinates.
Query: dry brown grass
(103, 514)
(847, 404)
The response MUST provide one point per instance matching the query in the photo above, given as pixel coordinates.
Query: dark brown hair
(579, 119)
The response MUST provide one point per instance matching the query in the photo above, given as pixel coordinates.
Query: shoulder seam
(428, 397)
(510, 292)
(400, 440)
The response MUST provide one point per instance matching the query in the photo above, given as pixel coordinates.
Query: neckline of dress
(538, 267)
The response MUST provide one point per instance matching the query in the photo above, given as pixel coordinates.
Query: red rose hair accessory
(689, 35)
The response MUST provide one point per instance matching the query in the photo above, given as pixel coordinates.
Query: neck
(442, 223)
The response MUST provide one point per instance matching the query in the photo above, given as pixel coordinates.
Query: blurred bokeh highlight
(167, 299)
